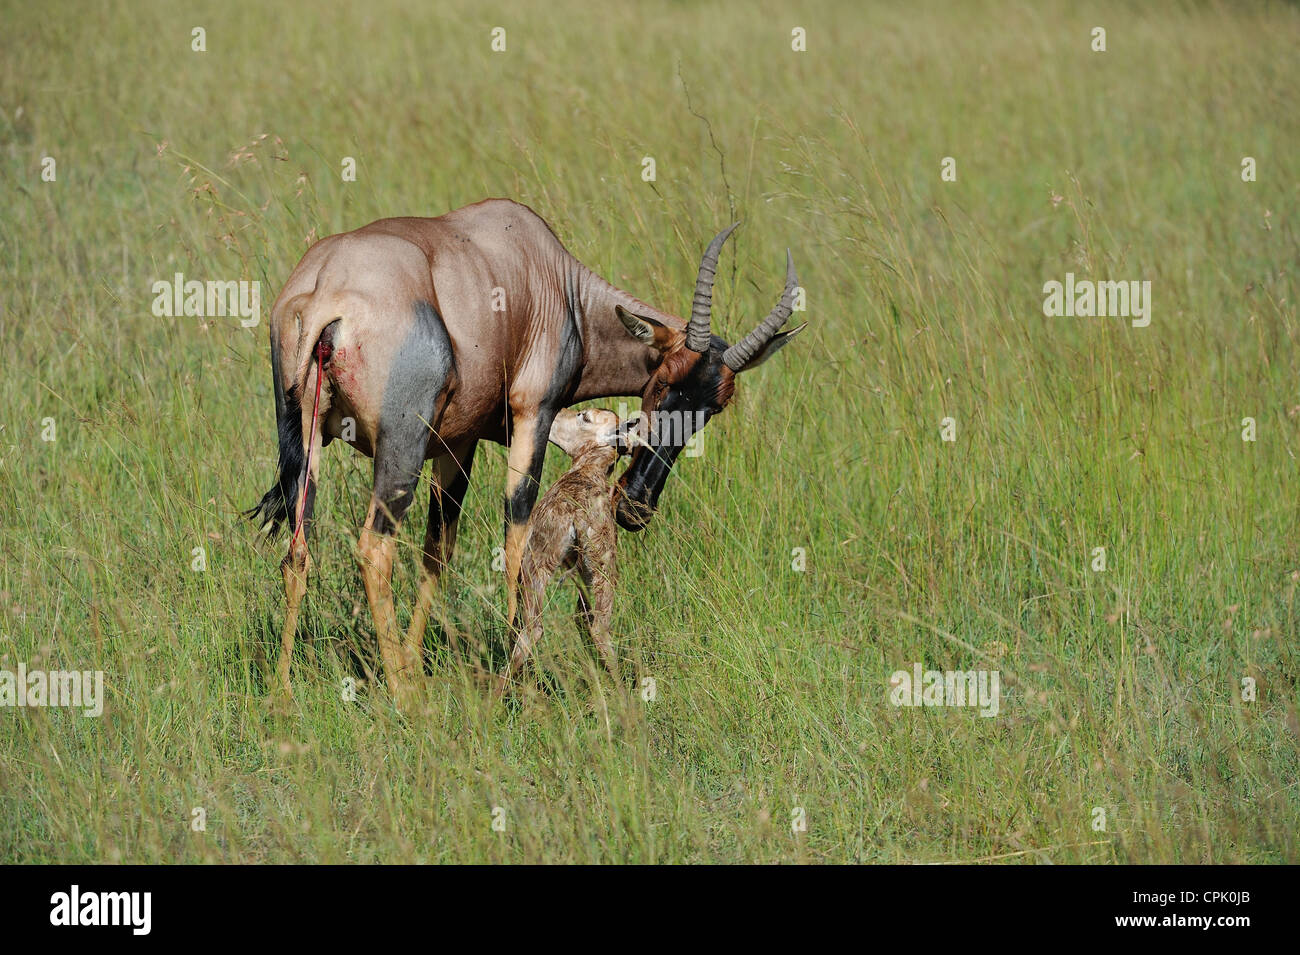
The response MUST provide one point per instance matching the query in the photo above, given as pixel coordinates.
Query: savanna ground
(1122, 688)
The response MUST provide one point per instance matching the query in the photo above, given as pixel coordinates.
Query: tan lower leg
(401, 669)
(515, 534)
(294, 567)
(449, 472)
(420, 616)
(519, 478)
(436, 554)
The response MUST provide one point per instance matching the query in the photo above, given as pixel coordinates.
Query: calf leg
(530, 633)
(596, 606)
(582, 612)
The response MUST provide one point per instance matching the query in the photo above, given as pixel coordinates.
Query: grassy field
(1122, 689)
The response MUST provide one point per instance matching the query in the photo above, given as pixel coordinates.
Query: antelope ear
(644, 328)
(774, 345)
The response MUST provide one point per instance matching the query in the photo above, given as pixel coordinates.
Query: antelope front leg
(524, 471)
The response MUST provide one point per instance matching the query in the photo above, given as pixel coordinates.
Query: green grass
(1121, 689)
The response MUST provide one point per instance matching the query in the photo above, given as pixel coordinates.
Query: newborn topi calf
(573, 528)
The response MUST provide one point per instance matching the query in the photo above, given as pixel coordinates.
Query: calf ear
(774, 345)
(644, 328)
(623, 437)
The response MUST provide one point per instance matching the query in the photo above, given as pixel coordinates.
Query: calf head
(577, 432)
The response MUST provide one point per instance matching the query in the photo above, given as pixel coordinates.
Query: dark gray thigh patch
(422, 370)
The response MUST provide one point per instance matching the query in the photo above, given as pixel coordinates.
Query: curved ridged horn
(738, 355)
(697, 330)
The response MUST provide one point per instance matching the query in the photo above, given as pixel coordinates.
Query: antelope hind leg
(451, 480)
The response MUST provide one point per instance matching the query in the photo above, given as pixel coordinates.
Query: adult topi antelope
(413, 339)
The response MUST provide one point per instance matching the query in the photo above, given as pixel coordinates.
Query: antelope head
(694, 380)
